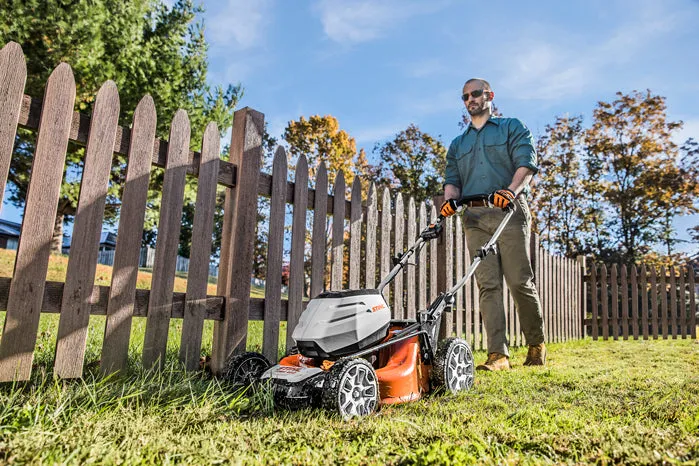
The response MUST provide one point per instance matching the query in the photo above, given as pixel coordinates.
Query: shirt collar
(493, 119)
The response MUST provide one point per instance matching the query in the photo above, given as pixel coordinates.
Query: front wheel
(245, 369)
(351, 388)
(453, 366)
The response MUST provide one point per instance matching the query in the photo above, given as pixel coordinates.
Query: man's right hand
(448, 208)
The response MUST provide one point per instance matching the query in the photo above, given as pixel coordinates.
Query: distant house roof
(106, 239)
(8, 228)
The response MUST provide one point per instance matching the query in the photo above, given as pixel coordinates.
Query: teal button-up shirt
(481, 161)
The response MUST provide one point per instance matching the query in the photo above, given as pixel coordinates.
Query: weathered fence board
(459, 259)
(422, 262)
(24, 304)
(385, 255)
(398, 247)
(412, 263)
(338, 233)
(275, 250)
(664, 321)
(672, 311)
(13, 76)
(197, 279)
(320, 207)
(298, 241)
(355, 252)
(115, 346)
(644, 302)
(163, 280)
(82, 263)
(692, 304)
(246, 153)
(372, 221)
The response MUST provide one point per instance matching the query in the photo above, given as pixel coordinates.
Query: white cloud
(354, 21)
(567, 66)
(690, 129)
(373, 134)
(239, 23)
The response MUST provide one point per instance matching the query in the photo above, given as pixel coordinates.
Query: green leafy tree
(144, 46)
(560, 199)
(413, 163)
(634, 165)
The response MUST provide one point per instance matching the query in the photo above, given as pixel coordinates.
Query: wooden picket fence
(365, 233)
(642, 303)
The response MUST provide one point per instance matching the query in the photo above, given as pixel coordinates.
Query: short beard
(478, 112)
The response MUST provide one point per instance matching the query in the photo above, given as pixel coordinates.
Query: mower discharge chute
(350, 356)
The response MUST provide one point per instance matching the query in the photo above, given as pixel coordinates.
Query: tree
(559, 197)
(413, 163)
(631, 154)
(142, 45)
(321, 140)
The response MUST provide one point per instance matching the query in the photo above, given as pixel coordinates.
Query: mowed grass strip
(632, 402)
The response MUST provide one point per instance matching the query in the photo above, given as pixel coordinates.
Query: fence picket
(122, 291)
(433, 260)
(634, 301)
(644, 283)
(398, 247)
(624, 303)
(422, 263)
(673, 311)
(459, 303)
(663, 302)
(338, 232)
(13, 76)
(27, 288)
(468, 298)
(614, 308)
(355, 253)
(372, 220)
(240, 214)
(410, 274)
(298, 240)
(655, 309)
(82, 263)
(275, 250)
(692, 304)
(320, 212)
(682, 316)
(385, 258)
(160, 304)
(604, 298)
(197, 278)
(448, 238)
(594, 330)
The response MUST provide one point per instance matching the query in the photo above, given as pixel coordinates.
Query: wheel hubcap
(358, 392)
(459, 369)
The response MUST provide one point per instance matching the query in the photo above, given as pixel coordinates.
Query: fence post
(240, 211)
(582, 270)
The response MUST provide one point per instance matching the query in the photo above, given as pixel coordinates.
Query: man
(496, 156)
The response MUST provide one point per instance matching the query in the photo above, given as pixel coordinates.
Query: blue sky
(378, 66)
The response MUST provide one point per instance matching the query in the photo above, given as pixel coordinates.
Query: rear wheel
(351, 388)
(453, 366)
(245, 369)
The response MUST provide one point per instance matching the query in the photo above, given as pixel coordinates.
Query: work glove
(448, 208)
(502, 198)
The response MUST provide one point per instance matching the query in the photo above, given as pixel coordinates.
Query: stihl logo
(378, 307)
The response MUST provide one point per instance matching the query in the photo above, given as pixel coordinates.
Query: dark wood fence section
(348, 240)
(641, 302)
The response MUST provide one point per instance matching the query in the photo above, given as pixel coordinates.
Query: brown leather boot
(536, 356)
(495, 362)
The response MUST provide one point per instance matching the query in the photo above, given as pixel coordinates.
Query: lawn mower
(350, 356)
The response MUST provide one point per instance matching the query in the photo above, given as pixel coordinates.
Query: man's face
(475, 105)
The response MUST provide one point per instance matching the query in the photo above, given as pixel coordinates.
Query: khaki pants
(512, 261)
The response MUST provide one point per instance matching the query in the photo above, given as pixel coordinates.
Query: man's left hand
(502, 198)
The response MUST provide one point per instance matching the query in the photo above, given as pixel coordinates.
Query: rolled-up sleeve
(452, 172)
(522, 146)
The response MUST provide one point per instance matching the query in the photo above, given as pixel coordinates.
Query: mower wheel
(453, 366)
(245, 369)
(351, 388)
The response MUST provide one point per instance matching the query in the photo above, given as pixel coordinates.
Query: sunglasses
(475, 94)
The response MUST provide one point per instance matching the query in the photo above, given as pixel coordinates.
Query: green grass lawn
(633, 402)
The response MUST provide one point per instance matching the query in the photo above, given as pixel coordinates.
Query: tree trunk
(57, 239)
